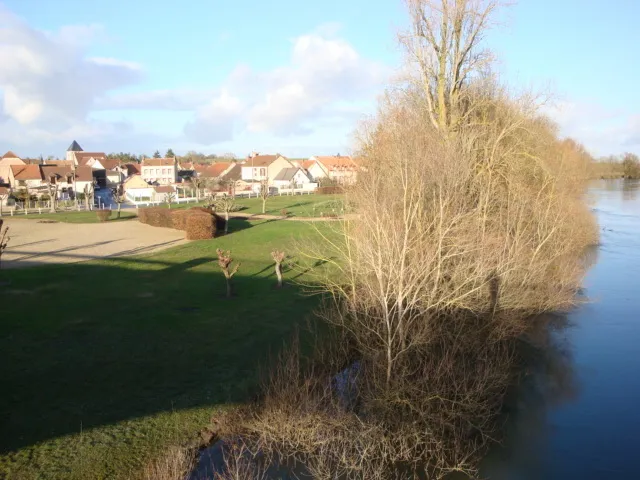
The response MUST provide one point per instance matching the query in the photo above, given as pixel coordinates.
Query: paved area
(36, 243)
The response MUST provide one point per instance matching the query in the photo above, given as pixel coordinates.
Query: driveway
(34, 243)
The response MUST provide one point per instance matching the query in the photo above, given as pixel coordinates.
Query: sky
(282, 76)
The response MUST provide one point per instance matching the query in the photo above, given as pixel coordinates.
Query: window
(164, 171)
(157, 172)
(263, 172)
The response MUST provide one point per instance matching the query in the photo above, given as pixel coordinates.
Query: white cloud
(215, 122)
(324, 73)
(48, 82)
(603, 130)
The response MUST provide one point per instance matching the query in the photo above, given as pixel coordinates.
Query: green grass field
(106, 363)
(299, 206)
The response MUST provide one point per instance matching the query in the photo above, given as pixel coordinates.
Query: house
(342, 169)
(6, 161)
(4, 195)
(258, 168)
(128, 169)
(84, 179)
(25, 176)
(293, 177)
(135, 188)
(63, 177)
(114, 178)
(314, 169)
(163, 171)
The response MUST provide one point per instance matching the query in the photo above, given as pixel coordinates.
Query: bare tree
(224, 261)
(3, 198)
(170, 198)
(198, 184)
(278, 257)
(4, 239)
(88, 196)
(52, 186)
(264, 193)
(118, 197)
(225, 204)
(443, 42)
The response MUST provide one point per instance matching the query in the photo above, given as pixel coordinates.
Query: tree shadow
(94, 344)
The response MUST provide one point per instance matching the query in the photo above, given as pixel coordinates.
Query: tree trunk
(228, 288)
(264, 205)
(118, 214)
(226, 222)
(279, 274)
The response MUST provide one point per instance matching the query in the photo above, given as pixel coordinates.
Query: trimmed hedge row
(329, 190)
(203, 225)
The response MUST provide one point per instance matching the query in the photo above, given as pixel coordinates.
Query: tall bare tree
(88, 196)
(443, 41)
(4, 239)
(169, 198)
(224, 261)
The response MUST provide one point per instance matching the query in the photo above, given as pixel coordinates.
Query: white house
(7, 160)
(314, 169)
(163, 171)
(258, 168)
(293, 177)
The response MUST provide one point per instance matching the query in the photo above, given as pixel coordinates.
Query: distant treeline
(617, 166)
(190, 156)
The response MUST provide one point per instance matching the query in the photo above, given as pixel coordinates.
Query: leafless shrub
(103, 215)
(224, 261)
(175, 464)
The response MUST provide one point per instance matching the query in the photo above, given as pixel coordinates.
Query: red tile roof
(335, 163)
(132, 168)
(83, 157)
(10, 154)
(4, 191)
(164, 189)
(261, 160)
(110, 163)
(159, 162)
(26, 172)
(59, 163)
(84, 174)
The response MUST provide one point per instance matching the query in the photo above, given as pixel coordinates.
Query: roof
(214, 170)
(110, 163)
(159, 162)
(74, 147)
(59, 163)
(132, 168)
(84, 157)
(11, 161)
(336, 163)
(84, 174)
(287, 174)
(10, 154)
(261, 160)
(235, 173)
(307, 164)
(4, 191)
(26, 172)
(49, 170)
(165, 189)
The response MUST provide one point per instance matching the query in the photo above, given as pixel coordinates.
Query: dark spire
(74, 147)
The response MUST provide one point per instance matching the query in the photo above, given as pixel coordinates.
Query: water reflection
(575, 413)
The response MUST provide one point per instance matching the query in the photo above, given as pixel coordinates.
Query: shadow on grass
(92, 344)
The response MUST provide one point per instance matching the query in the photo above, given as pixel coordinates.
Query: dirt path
(34, 243)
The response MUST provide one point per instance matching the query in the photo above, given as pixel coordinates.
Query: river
(582, 421)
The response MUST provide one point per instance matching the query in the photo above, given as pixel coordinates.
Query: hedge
(200, 225)
(103, 215)
(329, 190)
(156, 217)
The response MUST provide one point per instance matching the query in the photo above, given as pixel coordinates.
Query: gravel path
(34, 243)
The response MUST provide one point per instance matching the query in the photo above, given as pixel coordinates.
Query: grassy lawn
(106, 363)
(299, 205)
(75, 217)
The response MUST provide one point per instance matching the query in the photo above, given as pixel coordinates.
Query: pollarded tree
(225, 204)
(88, 196)
(52, 186)
(224, 261)
(278, 257)
(443, 41)
(264, 194)
(118, 197)
(3, 198)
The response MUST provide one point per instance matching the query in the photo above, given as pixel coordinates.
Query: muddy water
(580, 418)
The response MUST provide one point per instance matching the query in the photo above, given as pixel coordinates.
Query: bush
(157, 217)
(179, 219)
(200, 226)
(142, 215)
(330, 190)
(103, 215)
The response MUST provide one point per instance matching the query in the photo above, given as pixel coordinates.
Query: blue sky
(281, 76)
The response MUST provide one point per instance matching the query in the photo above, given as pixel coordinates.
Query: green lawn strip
(106, 363)
(74, 217)
(298, 205)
